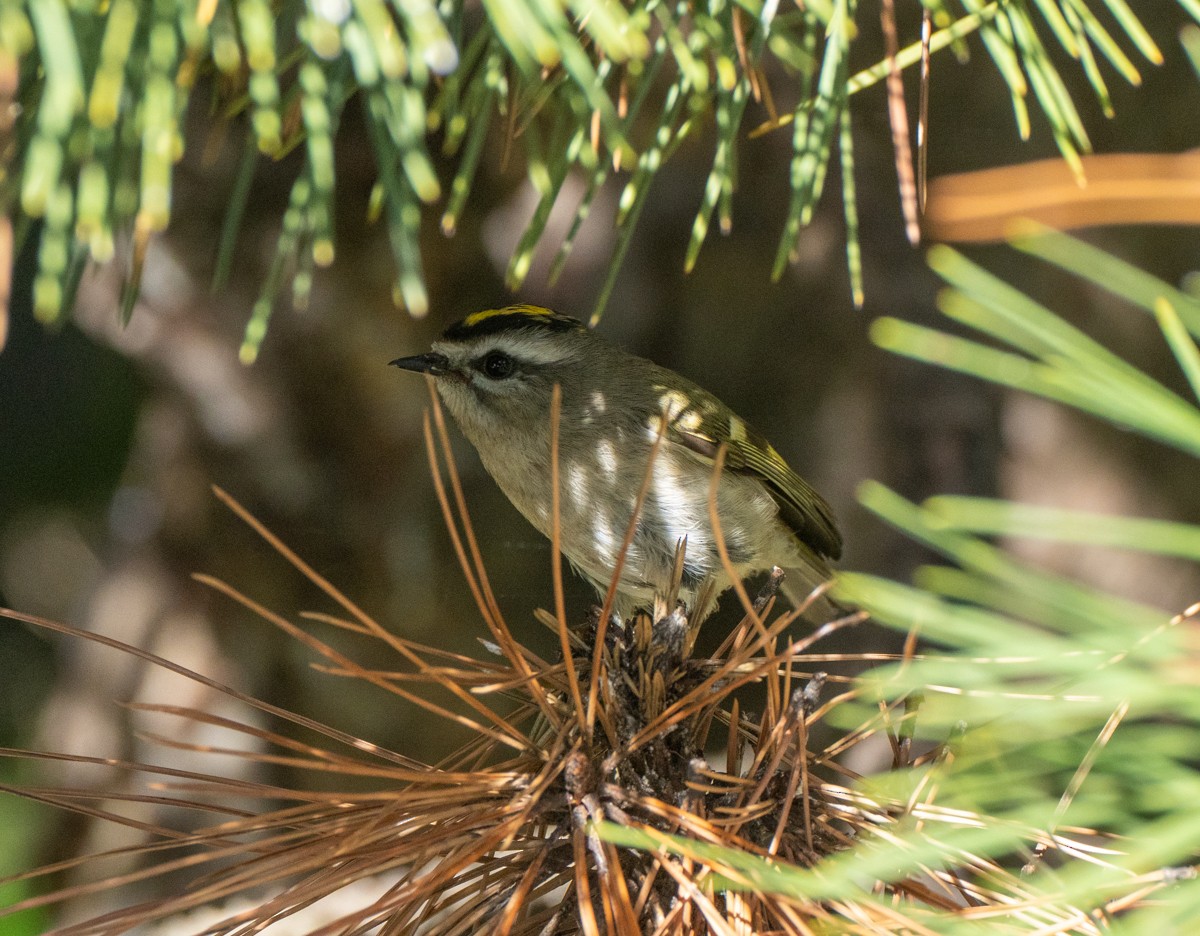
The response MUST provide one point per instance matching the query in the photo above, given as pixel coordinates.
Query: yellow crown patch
(476, 318)
(491, 321)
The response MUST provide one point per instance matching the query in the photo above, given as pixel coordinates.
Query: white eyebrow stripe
(539, 350)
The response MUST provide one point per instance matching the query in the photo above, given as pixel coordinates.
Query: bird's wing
(701, 425)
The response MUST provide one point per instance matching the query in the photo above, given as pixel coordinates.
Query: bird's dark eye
(497, 365)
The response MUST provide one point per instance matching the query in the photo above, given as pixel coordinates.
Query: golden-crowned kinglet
(496, 370)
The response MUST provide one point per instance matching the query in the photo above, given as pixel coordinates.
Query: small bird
(495, 372)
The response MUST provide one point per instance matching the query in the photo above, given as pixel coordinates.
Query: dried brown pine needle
(503, 836)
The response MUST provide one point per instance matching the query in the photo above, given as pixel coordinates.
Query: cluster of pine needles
(517, 832)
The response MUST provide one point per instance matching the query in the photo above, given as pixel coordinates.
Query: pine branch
(604, 90)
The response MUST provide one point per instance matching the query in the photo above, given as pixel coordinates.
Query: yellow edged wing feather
(800, 506)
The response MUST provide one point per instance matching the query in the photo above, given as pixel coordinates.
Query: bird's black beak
(432, 363)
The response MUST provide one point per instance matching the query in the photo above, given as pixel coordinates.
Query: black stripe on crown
(494, 321)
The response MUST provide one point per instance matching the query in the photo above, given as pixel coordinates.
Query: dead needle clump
(501, 837)
(512, 834)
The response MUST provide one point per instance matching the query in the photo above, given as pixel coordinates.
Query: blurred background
(111, 437)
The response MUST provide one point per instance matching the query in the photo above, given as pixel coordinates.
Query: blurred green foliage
(103, 90)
